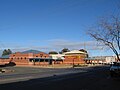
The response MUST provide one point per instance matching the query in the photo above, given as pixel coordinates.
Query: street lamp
(73, 62)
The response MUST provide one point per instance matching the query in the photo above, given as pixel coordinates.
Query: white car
(115, 69)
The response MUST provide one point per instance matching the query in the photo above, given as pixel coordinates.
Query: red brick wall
(4, 61)
(23, 59)
(73, 59)
(41, 55)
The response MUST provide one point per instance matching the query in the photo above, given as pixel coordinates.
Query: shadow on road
(94, 79)
(9, 64)
(40, 83)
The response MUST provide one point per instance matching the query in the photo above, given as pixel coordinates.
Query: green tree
(53, 52)
(6, 52)
(9, 51)
(83, 50)
(64, 50)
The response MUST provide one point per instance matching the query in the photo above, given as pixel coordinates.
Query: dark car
(115, 69)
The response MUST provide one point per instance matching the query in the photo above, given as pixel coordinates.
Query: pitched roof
(31, 51)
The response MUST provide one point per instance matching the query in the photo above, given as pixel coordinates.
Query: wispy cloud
(59, 43)
(53, 44)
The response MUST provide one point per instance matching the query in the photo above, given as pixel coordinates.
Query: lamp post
(75, 57)
(73, 62)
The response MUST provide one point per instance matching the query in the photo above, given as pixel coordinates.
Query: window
(41, 54)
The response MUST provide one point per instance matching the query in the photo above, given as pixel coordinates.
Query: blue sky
(48, 25)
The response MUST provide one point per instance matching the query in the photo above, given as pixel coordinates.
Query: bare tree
(107, 32)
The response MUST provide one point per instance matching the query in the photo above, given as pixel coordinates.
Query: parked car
(115, 69)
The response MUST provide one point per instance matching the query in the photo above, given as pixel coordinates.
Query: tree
(83, 50)
(9, 51)
(64, 50)
(53, 52)
(6, 52)
(107, 32)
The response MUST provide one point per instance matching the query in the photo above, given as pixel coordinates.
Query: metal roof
(32, 51)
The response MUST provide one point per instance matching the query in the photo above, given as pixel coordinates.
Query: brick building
(33, 57)
(30, 57)
(75, 57)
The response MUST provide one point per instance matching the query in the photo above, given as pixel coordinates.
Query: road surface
(95, 78)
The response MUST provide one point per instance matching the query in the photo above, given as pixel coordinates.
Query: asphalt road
(27, 73)
(95, 78)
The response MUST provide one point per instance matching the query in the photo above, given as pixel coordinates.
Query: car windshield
(116, 64)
